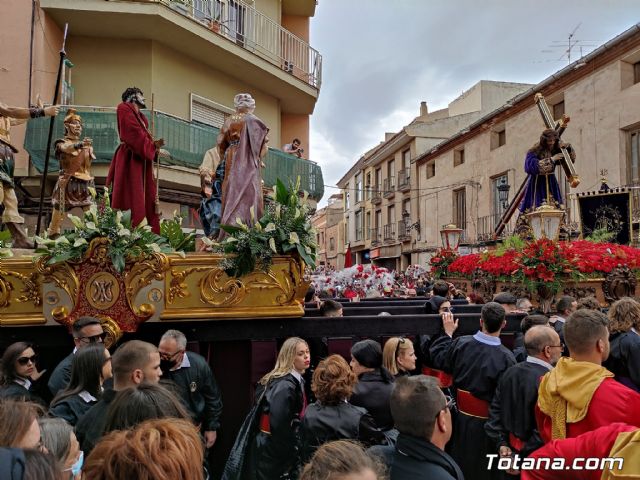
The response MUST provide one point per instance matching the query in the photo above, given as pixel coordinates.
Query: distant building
(330, 233)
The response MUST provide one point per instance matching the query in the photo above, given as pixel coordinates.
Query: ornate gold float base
(159, 288)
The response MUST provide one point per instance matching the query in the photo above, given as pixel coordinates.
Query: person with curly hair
(343, 460)
(624, 340)
(331, 417)
(161, 448)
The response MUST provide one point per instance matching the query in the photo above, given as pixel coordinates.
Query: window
(498, 207)
(460, 208)
(458, 157)
(332, 244)
(558, 110)
(406, 206)
(634, 158)
(378, 178)
(636, 72)
(498, 137)
(391, 169)
(406, 159)
(208, 112)
(358, 187)
(391, 214)
(367, 186)
(367, 226)
(431, 169)
(346, 199)
(359, 225)
(346, 230)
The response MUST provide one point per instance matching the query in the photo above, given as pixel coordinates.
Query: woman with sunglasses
(19, 374)
(399, 356)
(91, 366)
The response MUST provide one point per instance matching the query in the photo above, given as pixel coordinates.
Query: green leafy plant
(178, 239)
(125, 241)
(600, 235)
(514, 242)
(5, 242)
(285, 228)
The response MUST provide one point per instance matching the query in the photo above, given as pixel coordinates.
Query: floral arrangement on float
(5, 244)
(360, 278)
(125, 242)
(540, 263)
(284, 229)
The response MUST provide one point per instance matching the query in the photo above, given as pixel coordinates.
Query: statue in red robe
(131, 172)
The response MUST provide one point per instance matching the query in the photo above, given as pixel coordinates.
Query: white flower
(305, 196)
(92, 192)
(62, 239)
(271, 227)
(77, 222)
(90, 226)
(252, 212)
(307, 249)
(297, 213)
(155, 247)
(278, 209)
(257, 226)
(79, 241)
(272, 244)
(293, 238)
(241, 225)
(144, 222)
(207, 241)
(118, 216)
(124, 232)
(93, 211)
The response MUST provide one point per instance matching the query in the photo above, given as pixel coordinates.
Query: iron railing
(389, 186)
(376, 196)
(375, 236)
(403, 231)
(404, 179)
(390, 231)
(254, 31)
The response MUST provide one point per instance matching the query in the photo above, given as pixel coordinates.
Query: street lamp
(545, 221)
(451, 237)
(503, 192)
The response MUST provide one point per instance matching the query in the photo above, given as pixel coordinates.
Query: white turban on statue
(244, 101)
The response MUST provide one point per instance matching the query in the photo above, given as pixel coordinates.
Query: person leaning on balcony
(10, 116)
(241, 145)
(294, 148)
(131, 172)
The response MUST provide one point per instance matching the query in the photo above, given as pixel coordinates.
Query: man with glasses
(85, 331)
(196, 386)
(422, 415)
(512, 422)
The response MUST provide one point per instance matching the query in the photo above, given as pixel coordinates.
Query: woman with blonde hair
(162, 448)
(624, 340)
(399, 356)
(343, 460)
(331, 417)
(268, 443)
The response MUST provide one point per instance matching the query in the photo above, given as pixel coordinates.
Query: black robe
(277, 454)
(71, 408)
(416, 458)
(90, 427)
(373, 392)
(624, 358)
(15, 391)
(513, 408)
(476, 367)
(61, 375)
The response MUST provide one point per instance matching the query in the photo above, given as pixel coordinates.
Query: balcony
(404, 234)
(389, 232)
(389, 187)
(404, 180)
(187, 142)
(359, 234)
(232, 37)
(375, 237)
(376, 197)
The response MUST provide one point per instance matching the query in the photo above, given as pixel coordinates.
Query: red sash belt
(515, 442)
(444, 378)
(265, 423)
(470, 405)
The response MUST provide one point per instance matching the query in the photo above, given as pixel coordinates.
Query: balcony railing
(390, 231)
(359, 234)
(404, 233)
(376, 196)
(389, 187)
(404, 180)
(252, 30)
(375, 237)
(186, 141)
(487, 225)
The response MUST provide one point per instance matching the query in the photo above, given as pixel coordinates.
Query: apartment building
(192, 56)
(383, 189)
(462, 175)
(330, 233)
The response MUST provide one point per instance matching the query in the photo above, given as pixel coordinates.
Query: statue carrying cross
(541, 186)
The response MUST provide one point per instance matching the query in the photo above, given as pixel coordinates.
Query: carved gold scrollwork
(62, 275)
(268, 281)
(232, 291)
(30, 292)
(141, 275)
(177, 286)
(111, 329)
(620, 282)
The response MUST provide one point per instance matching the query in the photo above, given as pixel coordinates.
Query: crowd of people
(424, 406)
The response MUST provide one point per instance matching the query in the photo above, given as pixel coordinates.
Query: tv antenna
(568, 45)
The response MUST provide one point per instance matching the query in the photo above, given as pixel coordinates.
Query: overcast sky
(381, 58)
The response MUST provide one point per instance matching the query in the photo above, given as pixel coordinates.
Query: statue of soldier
(14, 116)
(75, 180)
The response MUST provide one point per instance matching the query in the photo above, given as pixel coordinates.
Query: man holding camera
(294, 148)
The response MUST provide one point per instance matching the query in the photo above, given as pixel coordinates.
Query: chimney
(424, 111)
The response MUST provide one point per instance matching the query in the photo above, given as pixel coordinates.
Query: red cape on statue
(128, 189)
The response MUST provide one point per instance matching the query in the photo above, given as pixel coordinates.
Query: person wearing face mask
(58, 439)
(194, 383)
(579, 394)
(131, 171)
(133, 363)
(19, 374)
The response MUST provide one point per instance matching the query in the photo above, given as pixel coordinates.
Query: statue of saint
(242, 144)
(75, 156)
(210, 205)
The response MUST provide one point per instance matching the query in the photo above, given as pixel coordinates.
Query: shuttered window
(208, 112)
